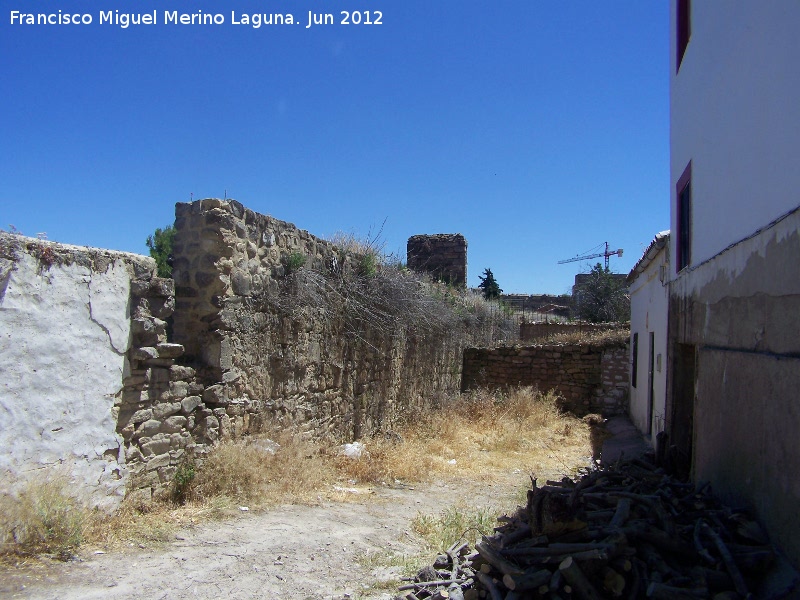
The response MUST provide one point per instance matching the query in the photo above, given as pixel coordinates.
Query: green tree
(160, 244)
(489, 285)
(602, 297)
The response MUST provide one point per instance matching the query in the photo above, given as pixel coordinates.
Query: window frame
(683, 29)
(683, 201)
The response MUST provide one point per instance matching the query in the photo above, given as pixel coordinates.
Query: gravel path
(289, 552)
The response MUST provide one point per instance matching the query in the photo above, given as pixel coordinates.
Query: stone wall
(590, 378)
(258, 315)
(443, 255)
(264, 329)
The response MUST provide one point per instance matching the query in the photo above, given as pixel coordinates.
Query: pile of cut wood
(624, 531)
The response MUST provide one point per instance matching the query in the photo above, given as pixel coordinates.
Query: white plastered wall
(649, 311)
(735, 114)
(64, 331)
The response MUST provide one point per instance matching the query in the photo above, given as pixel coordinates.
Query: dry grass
(481, 436)
(617, 335)
(264, 470)
(42, 516)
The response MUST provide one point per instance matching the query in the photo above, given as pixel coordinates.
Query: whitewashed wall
(649, 312)
(735, 114)
(64, 332)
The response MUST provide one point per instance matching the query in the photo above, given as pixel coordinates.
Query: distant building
(649, 291)
(733, 412)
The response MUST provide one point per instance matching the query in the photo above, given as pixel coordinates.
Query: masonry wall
(265, 351)
(590, 378)
(90, 386)
(443, 255)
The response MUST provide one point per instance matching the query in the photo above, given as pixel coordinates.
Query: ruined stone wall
(91, 391)
(590, 378)
(442, 255)
(254, 313)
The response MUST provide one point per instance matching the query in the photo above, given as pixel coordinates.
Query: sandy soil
(289, 552)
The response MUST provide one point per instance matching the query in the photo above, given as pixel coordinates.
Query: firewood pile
(624, 531)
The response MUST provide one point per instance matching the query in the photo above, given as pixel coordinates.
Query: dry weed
(607, 337)
(479, 435)
(42, 517)
(260, 472)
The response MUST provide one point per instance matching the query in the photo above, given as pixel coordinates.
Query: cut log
(581, 586)
(529, 580)
(622, 513)
(490, 586)
(497, 561)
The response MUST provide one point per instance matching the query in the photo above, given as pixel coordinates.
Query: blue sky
(538, 129)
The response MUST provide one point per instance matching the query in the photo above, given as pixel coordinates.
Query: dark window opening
(684, 233)
(683, 29)
(635, 359)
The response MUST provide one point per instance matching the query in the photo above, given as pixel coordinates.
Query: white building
(733, 409)
(649, 293)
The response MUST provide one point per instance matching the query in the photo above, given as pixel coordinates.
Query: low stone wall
(443, 255)
(590, 378)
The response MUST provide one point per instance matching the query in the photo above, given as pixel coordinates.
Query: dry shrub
(42, 517)
(454, 524)
(606, 337)
(481, 434)
(255, 472)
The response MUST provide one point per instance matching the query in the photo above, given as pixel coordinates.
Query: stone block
(162, 363)
(216, 395)
(162, 411)
(189, 403)
(162, 287)
(145, 353)
(143, 495)
(173, 424)
(140, 416)
(167, 474)
(180, 373)
(148, 428)
(179, 389)
(156, 447)
(162, 460)
(166, 350)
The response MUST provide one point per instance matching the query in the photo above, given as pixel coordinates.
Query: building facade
(649, 290)
(733, 410)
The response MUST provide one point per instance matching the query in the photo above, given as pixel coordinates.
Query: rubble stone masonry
(443, 255)
(590, 378)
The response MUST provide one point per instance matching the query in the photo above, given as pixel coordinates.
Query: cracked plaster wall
(64, 332)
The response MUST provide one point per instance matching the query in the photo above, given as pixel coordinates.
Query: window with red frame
(683, 29)
(684, 205)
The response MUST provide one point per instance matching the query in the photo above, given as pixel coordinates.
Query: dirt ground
(288, 552)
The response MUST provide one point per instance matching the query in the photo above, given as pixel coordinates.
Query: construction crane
(605, 255)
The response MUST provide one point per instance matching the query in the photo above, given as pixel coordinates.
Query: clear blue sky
(538, 129)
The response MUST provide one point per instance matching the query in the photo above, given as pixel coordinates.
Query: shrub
(42, 517)
(294, 262)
